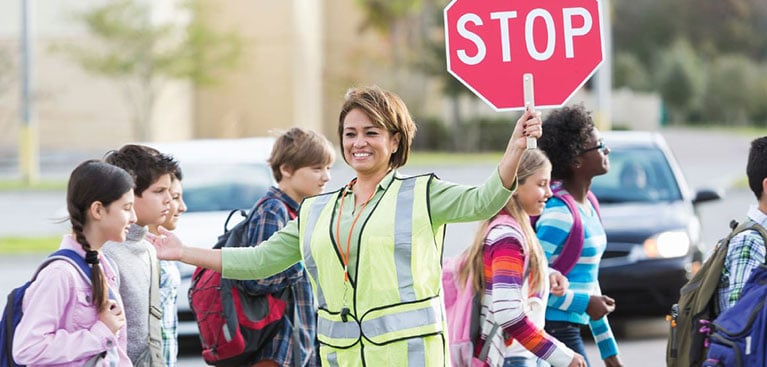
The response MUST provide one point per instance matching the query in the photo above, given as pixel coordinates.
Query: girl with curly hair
(577, 154)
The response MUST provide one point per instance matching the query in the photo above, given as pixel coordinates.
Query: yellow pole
(29, 160)
(28, 144)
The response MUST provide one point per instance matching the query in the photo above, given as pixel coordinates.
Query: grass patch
(26, 245)
(47, 185)
(741, 183)
(444, 158)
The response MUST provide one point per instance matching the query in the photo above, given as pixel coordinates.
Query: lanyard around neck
(345, 254)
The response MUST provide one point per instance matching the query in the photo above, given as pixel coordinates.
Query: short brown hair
(387, 111)
(145, 164)
(299, 148)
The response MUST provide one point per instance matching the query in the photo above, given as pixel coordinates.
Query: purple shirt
(60, 326)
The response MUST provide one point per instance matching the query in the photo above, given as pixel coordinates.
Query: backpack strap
(571, 250)
(762, 232)
(292, 214)
(249, 214)
(486, 347)
(154, 337)
(747, 225)
(73, 258)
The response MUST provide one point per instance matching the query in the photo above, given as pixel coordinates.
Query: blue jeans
(524, 362)
(568, 333)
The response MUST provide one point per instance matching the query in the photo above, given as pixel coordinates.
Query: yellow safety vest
(396, 310)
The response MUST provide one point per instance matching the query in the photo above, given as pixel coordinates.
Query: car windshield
(214, 187)
(637, 174)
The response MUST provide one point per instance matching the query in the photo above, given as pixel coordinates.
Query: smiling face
(115, 219)
(177, 205)
(153, 206)
(532, 193)
(367, 148)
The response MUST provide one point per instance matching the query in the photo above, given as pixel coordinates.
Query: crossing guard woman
(373, 248)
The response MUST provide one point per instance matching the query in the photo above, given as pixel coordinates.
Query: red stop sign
(491, 44)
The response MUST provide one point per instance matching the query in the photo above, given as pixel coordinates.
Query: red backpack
(234, 324)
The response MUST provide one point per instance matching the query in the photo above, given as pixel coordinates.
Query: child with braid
(70, 320)
(135, 257)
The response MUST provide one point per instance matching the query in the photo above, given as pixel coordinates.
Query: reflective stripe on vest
(382, 325)
(315, 208)
(398, 270)
(403, 236)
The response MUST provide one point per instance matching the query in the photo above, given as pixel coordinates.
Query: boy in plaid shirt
(300, 162)
(746, 250)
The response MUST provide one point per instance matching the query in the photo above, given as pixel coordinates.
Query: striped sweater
(508, 303)
(552, 229)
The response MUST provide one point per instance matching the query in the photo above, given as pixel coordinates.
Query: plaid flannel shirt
(170, 279)
(746, 252)
(271, 215)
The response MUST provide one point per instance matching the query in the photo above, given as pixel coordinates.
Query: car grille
(186, 316)
(610, 254)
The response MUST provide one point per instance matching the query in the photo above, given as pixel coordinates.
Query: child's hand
(577, 361)
(600, 306)
(113, 317)
(559, 283)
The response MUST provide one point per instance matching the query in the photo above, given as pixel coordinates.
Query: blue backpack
(739, 335)
(12, 313)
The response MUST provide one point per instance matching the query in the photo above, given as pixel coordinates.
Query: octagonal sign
(491, 44)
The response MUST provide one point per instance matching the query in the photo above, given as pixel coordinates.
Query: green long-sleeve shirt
(448, 203)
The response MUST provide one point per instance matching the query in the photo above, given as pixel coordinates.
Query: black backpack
(234, 324)
(690, 318)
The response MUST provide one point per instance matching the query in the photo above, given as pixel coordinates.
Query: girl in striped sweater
(515, 279)
(577, 154)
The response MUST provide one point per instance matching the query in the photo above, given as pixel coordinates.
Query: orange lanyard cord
(346, 254)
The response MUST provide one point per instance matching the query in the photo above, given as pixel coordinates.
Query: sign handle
(529, 104)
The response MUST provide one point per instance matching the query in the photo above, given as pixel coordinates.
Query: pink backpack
(462, 307)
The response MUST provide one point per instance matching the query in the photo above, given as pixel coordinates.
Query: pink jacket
(60, 326)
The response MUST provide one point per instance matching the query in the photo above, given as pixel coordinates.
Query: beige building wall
(72, 109)
(300, 58)
(279, 81)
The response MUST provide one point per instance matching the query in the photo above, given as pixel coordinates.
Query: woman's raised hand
(168, 246)
(528, 125)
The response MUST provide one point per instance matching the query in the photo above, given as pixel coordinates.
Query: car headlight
(667, 244)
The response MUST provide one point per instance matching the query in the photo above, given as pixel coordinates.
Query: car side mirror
(704, 195)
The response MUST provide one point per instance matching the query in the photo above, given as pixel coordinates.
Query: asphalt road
(712, 160)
